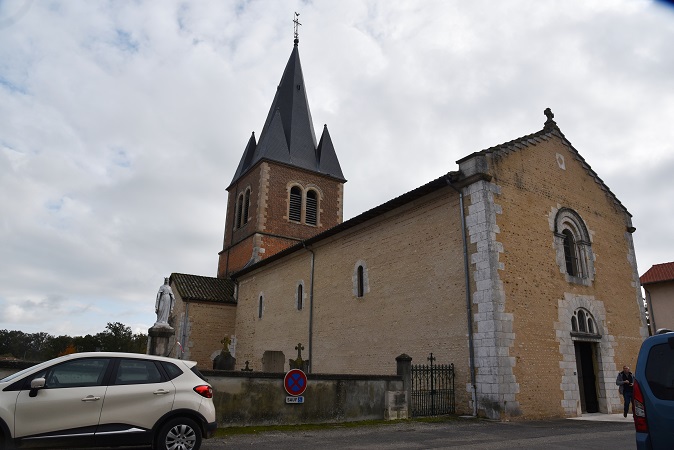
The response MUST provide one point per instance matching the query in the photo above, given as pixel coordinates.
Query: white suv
(104, 400)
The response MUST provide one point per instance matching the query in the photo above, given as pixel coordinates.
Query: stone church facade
(518, 267)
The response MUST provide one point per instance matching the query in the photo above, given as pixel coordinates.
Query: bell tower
(286, 188)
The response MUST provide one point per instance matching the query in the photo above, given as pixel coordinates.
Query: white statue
(164, 304)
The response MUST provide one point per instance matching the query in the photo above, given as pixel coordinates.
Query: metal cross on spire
(297, 24)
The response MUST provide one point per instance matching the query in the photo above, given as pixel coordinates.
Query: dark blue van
(653, 405)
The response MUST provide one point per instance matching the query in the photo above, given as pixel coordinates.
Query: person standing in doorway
(625, 381)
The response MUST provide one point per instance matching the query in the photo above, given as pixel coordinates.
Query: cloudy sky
(122, 123)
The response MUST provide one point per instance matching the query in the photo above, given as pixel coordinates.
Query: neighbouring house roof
(658, 273)
(209, 289)
(288, 135)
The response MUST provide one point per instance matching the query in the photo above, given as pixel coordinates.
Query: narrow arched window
(300, 297)
(239, 211)
(260, 307)
(573, 247)
(570, 253)
(574, 324)
(582, 322)
(361, 281)
(295, 207)
(311, 216)
(246, 206)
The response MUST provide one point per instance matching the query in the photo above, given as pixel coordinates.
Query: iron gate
(432, 389)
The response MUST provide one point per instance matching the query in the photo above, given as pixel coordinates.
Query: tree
(87, 343)
(117, 337)
(42, 346)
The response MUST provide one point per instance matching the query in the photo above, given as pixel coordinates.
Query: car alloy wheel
(180, 434)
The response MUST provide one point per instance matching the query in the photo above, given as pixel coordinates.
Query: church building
(518, 267)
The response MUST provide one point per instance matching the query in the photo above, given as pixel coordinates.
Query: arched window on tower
(246, 206)
(295, 206)
(311, 215)
(239, 211)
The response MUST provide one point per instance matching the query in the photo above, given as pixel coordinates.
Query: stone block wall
(248, 398)
(414, 301)
(511, 227)
(200, 327)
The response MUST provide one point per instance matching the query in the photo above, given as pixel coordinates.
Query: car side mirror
(35, 385)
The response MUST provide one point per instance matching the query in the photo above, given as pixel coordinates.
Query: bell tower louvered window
(295, 210)
(311, 217)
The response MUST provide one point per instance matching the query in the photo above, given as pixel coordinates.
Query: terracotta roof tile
(658, 273)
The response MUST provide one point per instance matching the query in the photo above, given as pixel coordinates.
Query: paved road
(458, 435)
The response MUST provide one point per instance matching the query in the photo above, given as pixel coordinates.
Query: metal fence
(432, 392)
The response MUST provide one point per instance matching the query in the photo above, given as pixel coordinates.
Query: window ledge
(578, 280)
(585, 336)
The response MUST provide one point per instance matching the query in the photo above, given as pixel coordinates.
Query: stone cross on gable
(549, 123)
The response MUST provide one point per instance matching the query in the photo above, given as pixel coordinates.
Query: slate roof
(288, 134)
(198, 288)
(658, 273)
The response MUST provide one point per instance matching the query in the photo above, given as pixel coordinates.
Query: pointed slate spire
(326, 156)
(247, 157)
(288, 133)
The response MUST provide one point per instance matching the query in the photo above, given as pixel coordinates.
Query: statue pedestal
(159, 339)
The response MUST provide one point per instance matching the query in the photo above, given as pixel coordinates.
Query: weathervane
(297, 24)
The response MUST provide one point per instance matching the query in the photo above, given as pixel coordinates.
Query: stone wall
(526, 302)
(200, 327)
(414, 299)
(253, 398)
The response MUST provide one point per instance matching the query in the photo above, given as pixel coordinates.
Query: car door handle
(161, 392)
(90, 398)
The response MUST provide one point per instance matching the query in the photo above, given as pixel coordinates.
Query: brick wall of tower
(268, 229)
